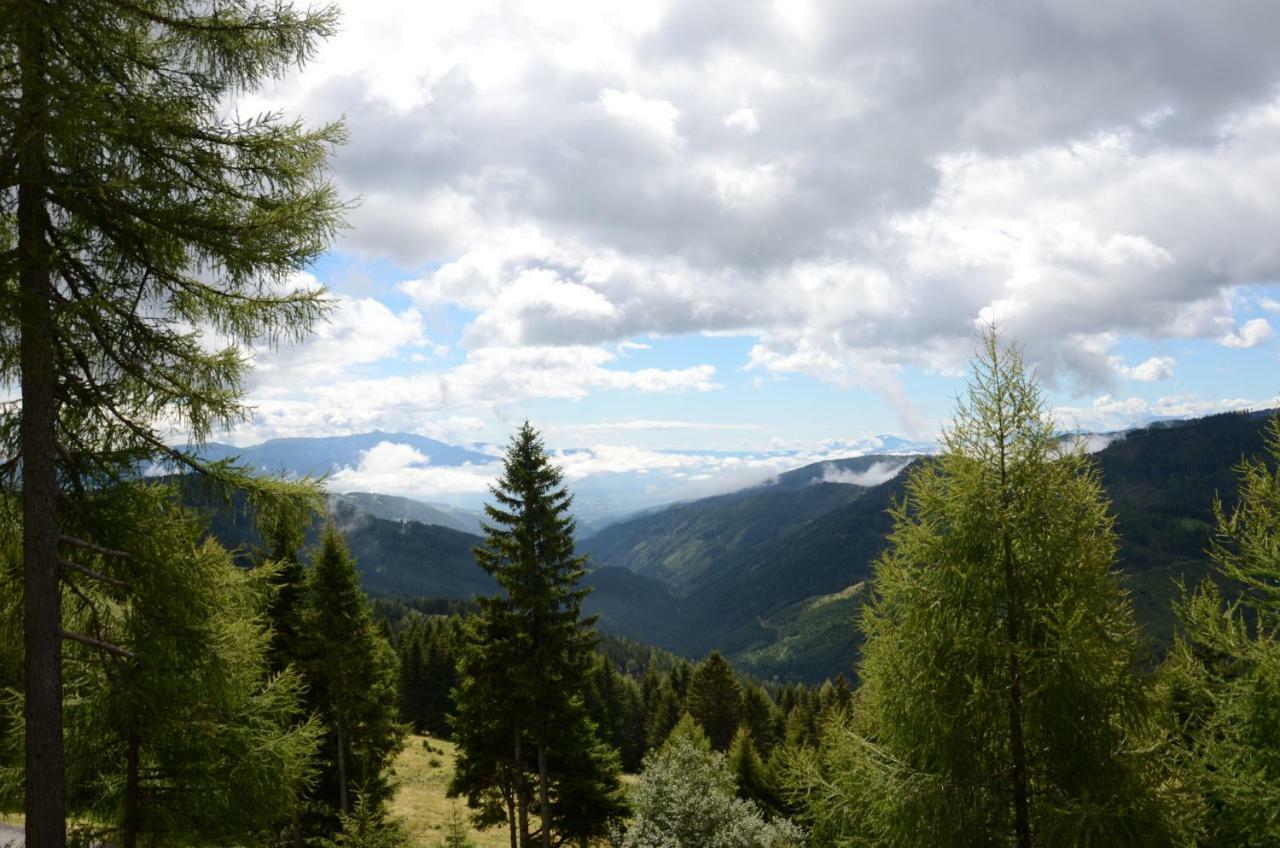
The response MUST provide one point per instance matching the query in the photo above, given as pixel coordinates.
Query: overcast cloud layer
(853, 185)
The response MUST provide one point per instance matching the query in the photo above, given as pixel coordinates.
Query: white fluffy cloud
(1253, 333)
(359, 331)
(1155, 368)
(852, 183)
(1114, 413)
(434, 400)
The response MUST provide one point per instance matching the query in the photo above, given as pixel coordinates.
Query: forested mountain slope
(773, 576)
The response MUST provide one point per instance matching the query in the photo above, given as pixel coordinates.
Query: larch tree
(1223, 675)
(521, 719)
(137, 217)
(187, 734)
(1003, 697)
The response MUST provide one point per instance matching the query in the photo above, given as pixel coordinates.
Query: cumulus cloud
(850, 183)
(1115, 413)
(1155, 368)
(486, 378)
(398, 469)
(1253, 333)
(360, 331)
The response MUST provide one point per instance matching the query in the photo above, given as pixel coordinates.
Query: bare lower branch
(89, 572)
(90, 546)
(97, 643)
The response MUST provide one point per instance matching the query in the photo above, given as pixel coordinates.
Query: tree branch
(97, 643)
(90, 546)
(89, 572)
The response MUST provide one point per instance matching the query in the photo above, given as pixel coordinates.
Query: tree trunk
(343, 802)
(131, 799)
(42, 609)
(544, 796)
(295, 823)
(509, 799)
(522, 792)
(1017, 745)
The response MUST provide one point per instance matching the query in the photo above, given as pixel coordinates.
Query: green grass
(421, 802)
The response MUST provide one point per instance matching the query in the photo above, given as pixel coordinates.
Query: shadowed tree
(1224, 671)
(140, 217)
(715, 700)
(521, 719)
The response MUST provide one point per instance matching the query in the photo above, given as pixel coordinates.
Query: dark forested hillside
(773, 576)
(689, 545)
(394, 508)
(787, 604)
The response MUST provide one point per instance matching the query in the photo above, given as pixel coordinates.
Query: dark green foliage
(753, 777)
(153, 239)
(687, 546)
(616, 706)
(715, 700)
(761, 717)
(215, 740)
(1223, 676)
(351, 675)
(428, 650)
(526, 744)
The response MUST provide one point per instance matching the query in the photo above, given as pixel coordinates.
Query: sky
(753, 226)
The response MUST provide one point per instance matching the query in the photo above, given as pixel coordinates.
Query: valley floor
(423, 776)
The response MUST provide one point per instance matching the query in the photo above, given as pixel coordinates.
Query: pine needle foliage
(351, 673)
(526, 744)
(1223, 675)
(1003, 699)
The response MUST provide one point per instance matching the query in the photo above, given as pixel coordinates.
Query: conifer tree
(1003, 698)
(752, 776)
(140, 211)
(1224, 671)
(521, 723)
(181, 732)
(761, 717)
(351, 673)
(715, 700)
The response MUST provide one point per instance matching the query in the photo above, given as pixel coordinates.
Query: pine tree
(1003, 698)
(351, 672)
(1223, 674)
(141, 212)
(715, 700)
(521, 712)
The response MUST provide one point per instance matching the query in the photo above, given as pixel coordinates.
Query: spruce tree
(522, 724)
(1003, 698)
(1223, 674)
(139, 211)
(351, 672)
(715, 700)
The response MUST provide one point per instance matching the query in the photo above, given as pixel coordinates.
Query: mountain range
(322, 455)
(774, 575)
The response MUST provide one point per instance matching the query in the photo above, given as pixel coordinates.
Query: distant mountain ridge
(688, 545)
(395, 508)
(319, 455)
